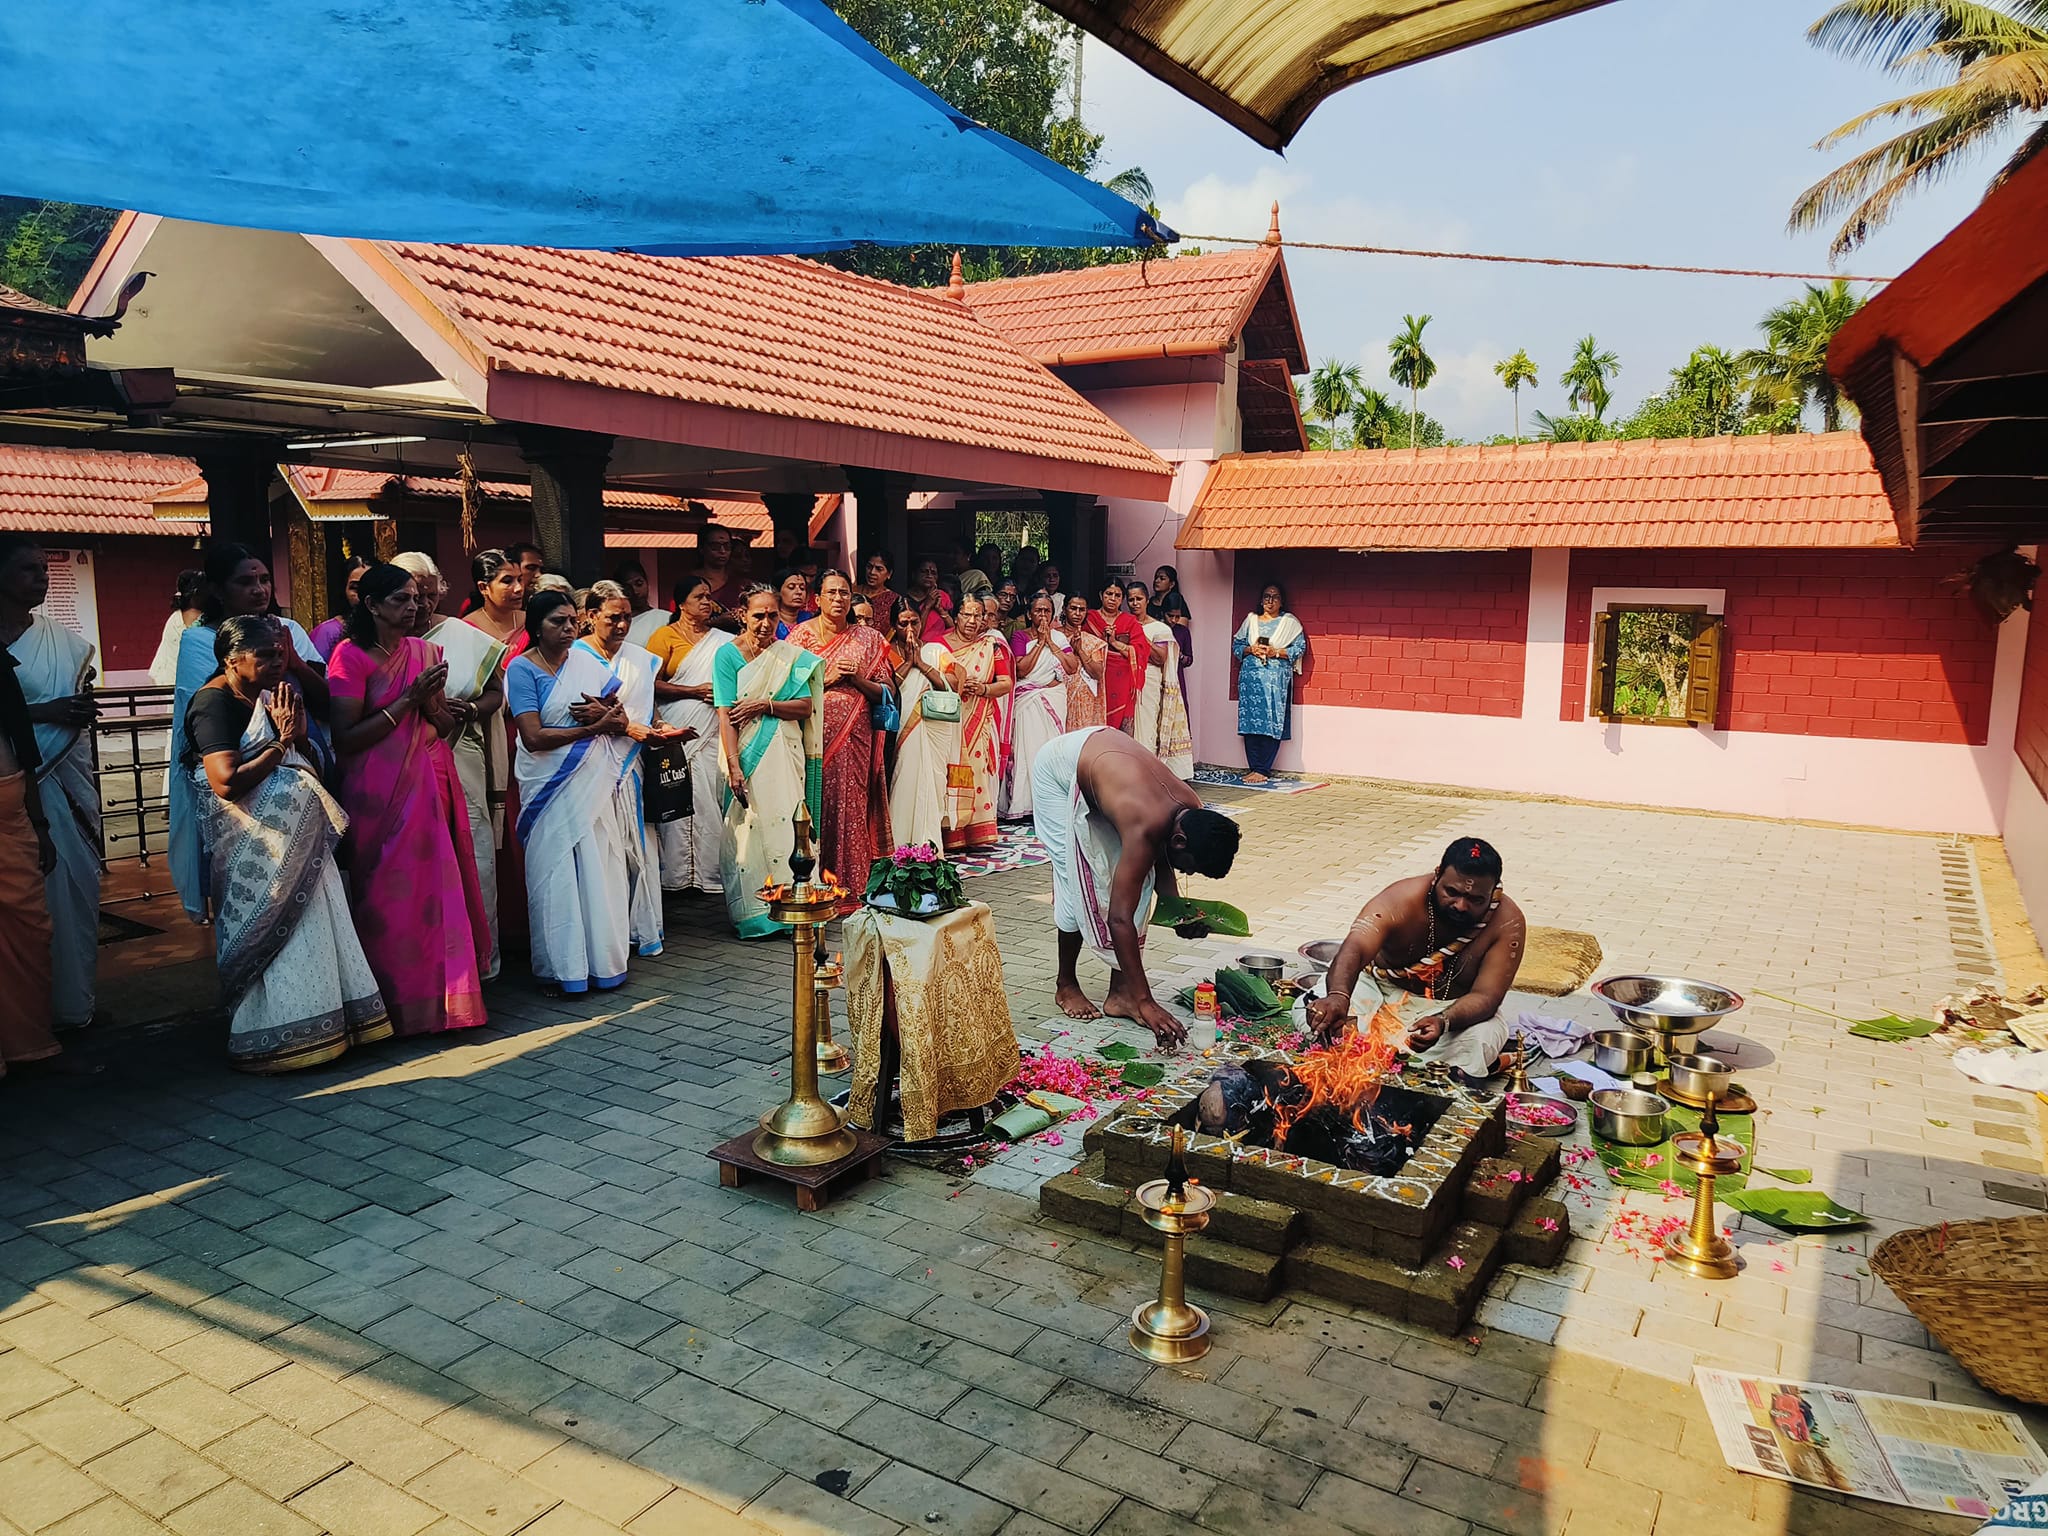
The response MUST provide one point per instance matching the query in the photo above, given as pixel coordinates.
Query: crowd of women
(372, 813)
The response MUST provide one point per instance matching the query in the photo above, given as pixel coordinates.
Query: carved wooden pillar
(238, 497)
(882, 518)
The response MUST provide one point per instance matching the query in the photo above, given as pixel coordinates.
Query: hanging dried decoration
(472, 501)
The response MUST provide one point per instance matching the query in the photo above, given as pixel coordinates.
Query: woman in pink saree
(857, 670)
(412, 873)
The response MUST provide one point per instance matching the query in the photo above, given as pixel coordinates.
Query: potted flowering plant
(915, 881)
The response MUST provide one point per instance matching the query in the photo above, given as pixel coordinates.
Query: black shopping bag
(667, 780)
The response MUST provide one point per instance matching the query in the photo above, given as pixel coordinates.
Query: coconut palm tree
(1514, 373)
(1332, 390)
(1792, 364)
(1571, 429)
(1373, 419)
(1412, 367)
(1585, 381)
(1989, 64)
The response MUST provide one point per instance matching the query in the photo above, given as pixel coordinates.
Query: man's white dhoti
(1473, 1050)
(1082, 845)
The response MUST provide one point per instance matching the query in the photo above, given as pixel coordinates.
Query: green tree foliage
(1585, 380)
(1411, 367)
(1514, 372)
(1791, 366)
(1008, 64)
(1572, 428)
(46, 247)
(1332, 389)
(1375, 420)
(1652, 661)
(1989, 66)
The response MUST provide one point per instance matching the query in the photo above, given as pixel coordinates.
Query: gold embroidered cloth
(952, 1014)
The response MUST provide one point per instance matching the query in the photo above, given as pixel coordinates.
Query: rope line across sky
(1536, 261)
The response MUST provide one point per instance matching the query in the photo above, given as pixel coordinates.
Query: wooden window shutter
(1703, 679)
(1600, 696)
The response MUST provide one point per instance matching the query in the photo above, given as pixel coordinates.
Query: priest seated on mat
(1441, 950)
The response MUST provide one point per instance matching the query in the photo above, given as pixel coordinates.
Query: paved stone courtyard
(493, 1286)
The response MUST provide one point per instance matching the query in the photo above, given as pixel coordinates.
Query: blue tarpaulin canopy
(680, 127)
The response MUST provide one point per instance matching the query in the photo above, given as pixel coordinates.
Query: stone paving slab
(492, 1284)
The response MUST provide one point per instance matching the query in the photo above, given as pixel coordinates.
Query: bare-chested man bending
(1117, 825)
(1442, 949)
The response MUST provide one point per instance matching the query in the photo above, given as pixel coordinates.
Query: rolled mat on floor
(1557, 962)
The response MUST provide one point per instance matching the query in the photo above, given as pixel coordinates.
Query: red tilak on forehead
(1475, 850)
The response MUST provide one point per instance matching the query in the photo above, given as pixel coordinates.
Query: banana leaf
(1242, 995)
(1143, 1074)
(1892, 1028)
(1221, 916)
(1794, 1210)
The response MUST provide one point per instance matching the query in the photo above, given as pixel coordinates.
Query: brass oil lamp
(1172, 1330)
(804, 1130)
(1700, 1250)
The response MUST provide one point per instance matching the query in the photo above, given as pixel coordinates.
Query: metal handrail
(131, 759)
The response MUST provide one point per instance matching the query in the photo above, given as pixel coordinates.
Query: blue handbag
(883, 712)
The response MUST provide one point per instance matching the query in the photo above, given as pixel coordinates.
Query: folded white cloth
(1553, 1036)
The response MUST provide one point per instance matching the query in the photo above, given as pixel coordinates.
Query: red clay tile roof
(318, 483)
(85, 490)
(1188, 306)
(1804, 491)
(771, 335)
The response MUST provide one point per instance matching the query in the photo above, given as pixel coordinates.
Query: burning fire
(826, 883)
(1346, 1074)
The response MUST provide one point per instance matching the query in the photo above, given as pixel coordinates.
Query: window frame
(1708, 655)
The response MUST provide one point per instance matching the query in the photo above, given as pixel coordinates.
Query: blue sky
(1647, 130)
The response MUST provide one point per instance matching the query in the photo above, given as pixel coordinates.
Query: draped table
(927, 993)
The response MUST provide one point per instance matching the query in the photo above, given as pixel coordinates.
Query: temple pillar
(882, 519)
(568, 470)
(790, 512)
(238, 497)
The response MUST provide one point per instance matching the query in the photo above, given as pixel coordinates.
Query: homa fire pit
(1322, 1205)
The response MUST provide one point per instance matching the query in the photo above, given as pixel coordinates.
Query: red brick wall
(2030, 740)
(1868, 644)
(1440, 633)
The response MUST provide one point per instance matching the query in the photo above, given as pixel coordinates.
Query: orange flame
(1347, 1074)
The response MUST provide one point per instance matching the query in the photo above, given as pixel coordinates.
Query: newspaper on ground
(2027, 1512)
(1901, 1450)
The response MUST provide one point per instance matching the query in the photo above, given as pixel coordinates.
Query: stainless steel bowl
(1624, 1052)
(1322, 953)
(1266, 967)
(1630, 1118)
(1700, 1077)
(1667, 1005)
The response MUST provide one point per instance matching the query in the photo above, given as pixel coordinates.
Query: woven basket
(1981, 1288)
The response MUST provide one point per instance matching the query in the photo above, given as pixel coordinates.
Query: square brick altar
(1382, 1241)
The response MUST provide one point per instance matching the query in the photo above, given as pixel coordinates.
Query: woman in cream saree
(979, 665)
(925, 747)
(1044, 662)
(770, 700)
(686, 650)
(1160, 721)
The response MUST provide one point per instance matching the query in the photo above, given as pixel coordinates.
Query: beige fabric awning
(1264, 65)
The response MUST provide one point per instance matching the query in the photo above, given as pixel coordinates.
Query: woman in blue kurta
(1268, 646)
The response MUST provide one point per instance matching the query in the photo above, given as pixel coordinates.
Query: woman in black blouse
(291, 966)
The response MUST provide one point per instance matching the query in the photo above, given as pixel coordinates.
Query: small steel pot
(1700, 1077)
(1266, 967)
(1630, 1118)
(1624, 1052)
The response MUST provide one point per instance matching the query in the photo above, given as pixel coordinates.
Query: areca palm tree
(1989, 65)
(1332, 390)
(1585, 381)
(1411, 367)
(1514, 373)
(1711, 379)
(1792, 364)
(1373, 417)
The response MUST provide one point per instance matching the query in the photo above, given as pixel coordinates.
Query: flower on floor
(1455, 1262)
(1547, 1223)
